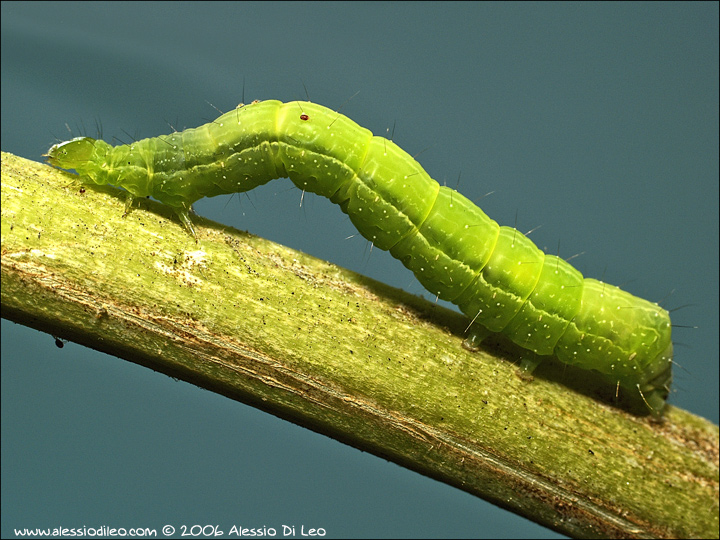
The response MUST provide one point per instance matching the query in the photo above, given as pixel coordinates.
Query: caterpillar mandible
(495, 275)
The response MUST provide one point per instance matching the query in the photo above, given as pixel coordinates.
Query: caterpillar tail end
(656, 388)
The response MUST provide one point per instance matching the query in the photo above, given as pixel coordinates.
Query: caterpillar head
(71, 154)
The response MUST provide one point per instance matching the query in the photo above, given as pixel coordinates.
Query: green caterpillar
(494, 274)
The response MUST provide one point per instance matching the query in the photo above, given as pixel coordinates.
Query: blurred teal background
(597, 121)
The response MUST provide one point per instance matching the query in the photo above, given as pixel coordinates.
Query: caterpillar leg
(128, 203)
(528, 364)
(184, 216)
(476, 334)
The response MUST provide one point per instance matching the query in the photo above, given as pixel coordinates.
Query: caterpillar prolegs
(495, 275)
